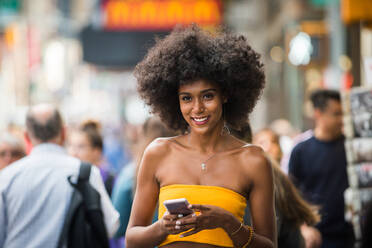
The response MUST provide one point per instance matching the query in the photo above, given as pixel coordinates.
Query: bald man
(34, 191)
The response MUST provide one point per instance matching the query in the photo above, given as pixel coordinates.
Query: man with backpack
(49, 199)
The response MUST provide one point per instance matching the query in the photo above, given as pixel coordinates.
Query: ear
(27, 137)
(63, 135)
(317, 114)
(224, 99)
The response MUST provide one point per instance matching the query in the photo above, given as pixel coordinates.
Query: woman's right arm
(140, 232)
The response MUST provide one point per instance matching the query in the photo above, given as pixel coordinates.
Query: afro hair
(190, 53)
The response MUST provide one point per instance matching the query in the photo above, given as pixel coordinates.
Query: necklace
(204, 163)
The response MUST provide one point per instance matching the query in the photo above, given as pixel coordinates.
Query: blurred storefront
(312, 44)
(120, 33)
(357, 16)
(80, 54)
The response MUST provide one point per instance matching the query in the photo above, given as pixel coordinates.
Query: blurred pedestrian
(293, 214)
(197, 82)
(318, 168)
(123, 192)
(11, 149)
(268, 140)
(34, 191)
(286, 132)
(86, 144)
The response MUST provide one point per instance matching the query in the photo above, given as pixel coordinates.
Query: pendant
(203, 166)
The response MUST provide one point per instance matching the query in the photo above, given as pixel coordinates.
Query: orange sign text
(160, 14)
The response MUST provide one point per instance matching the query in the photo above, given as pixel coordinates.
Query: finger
(193, 231)
(198, 207)
(170, 217)
(188, 221)
(187, 227)
(178, 229)
(171, 223)
(189, 216)
(175, 231)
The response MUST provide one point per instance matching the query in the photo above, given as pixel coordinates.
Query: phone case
(178, 206)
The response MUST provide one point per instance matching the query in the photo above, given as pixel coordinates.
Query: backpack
(84, 225)
(109, 183)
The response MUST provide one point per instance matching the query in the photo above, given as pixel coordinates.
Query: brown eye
(186, 98)
(208, 96)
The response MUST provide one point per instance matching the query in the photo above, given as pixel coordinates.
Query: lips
(200, 120)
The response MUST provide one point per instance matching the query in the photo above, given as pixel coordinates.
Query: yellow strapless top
(202, 194)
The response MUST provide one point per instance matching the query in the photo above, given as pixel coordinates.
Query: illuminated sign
(356, 10)
(160, 14)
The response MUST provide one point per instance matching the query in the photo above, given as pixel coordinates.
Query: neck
(324, 135)
(210, 142)
(37, 142)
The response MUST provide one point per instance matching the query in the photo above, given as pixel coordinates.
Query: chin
(200, 130)
(338, 134)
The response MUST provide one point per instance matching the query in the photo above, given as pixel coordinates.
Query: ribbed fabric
(202, 194)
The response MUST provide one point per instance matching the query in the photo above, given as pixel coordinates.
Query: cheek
(214, 106)
(335, 120)
(185, 108)
(86, 154)
(81, 154)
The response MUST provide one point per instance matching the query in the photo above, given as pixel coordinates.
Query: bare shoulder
(157, 149)
(158, 146)
(254, 158)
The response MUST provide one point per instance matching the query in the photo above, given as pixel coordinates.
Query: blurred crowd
(305, 217)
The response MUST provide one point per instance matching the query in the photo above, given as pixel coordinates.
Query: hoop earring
(226, 129)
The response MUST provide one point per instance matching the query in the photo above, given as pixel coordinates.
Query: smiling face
(201, 105)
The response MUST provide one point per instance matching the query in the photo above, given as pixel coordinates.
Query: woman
(86, 143)
(197, 82)
(269, 141)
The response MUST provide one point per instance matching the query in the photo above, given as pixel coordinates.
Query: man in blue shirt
(318, 168)
(34, 191)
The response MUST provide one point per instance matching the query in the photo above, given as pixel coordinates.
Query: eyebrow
(203, 91)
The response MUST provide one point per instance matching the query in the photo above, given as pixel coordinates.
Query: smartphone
(178, 206)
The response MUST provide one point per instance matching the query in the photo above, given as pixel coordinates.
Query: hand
(209, 217)
(312, 237)
(170, 223)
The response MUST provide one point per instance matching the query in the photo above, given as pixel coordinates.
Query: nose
(198, 106)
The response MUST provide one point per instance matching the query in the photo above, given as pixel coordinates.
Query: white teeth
(200, 119)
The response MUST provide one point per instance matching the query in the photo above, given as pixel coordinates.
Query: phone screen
(178, 206)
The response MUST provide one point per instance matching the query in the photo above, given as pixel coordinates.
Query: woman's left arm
(261, 201)
(262, 234)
